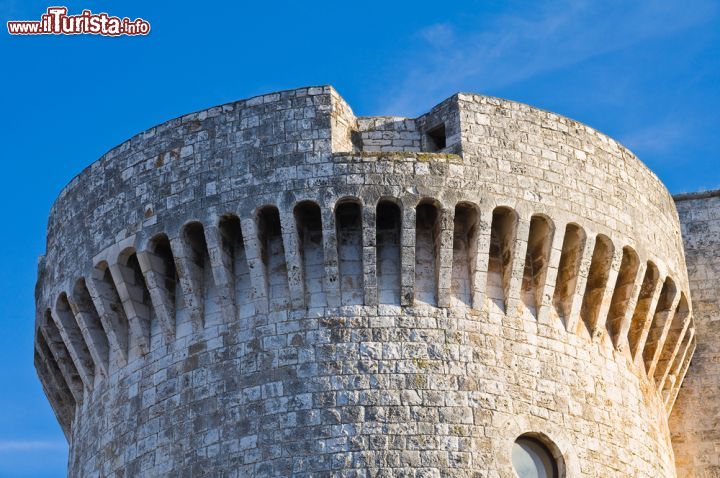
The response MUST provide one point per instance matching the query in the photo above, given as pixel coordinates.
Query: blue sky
(644, 72)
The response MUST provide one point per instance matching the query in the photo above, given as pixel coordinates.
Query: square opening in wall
(436, 138)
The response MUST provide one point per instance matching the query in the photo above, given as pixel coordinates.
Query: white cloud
(439, 35)
(658, 138)
(510, 48)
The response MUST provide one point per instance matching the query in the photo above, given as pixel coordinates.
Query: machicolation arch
(185, 270)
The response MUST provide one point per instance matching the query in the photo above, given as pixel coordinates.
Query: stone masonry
(275, 287)
(695, 422)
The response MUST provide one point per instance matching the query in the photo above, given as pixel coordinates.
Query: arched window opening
(273, 257)
(348, 222)
(502, 247)
(308, 220)
(642, 308)
(465, 236)
(596, 282)
(388, 252)
(531, 458)
(427, 252)
(622, 294)
(568, 270)
(536, 261)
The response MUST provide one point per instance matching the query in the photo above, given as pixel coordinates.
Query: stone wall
(695, 421)
(256, 289)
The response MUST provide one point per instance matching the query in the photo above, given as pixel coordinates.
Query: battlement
(282, 240)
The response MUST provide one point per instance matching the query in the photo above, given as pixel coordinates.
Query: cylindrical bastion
(275, 287)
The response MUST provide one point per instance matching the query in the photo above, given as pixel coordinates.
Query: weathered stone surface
(695, 421)
(286, 289)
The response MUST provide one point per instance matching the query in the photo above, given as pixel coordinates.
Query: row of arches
(356, 255)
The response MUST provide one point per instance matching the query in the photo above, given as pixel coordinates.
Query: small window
(436, 138)
(532, 459)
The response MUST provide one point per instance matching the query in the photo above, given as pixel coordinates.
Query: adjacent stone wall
(695, 422)
(221, 269)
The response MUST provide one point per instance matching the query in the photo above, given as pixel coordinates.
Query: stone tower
(276, 287)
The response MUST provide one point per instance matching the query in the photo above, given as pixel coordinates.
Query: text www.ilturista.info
(57, 22)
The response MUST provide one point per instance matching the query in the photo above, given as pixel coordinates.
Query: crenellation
(275, 287)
